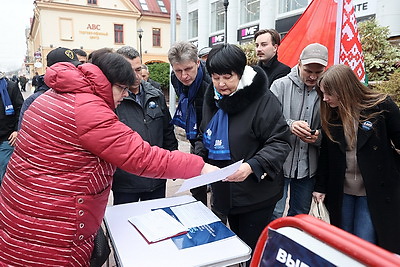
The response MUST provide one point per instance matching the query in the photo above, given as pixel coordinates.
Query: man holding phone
(301, 108)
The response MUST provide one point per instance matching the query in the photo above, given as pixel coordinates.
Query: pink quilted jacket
(55, 191)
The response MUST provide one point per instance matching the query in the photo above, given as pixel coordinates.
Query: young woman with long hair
(359, 168)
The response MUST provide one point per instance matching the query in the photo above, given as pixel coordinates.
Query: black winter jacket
(379, 165)
(274, 69)
(152, 122)
(9, 123)
(259, 134)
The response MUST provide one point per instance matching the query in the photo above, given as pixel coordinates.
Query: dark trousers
(200, 193)
(122, 197)
(248, 226)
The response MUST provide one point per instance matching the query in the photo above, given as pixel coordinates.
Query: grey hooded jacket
(290, 90)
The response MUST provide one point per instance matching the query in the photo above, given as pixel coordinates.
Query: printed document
(209, 178)
(203, 226)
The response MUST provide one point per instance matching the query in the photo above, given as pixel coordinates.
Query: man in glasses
(145, 111)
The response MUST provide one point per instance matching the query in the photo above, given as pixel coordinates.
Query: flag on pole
(331, 23)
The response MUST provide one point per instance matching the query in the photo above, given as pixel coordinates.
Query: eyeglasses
(124, 89)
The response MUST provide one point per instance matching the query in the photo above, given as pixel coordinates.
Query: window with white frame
(143, 4)
(250, 11)
(162, 6)
(290, 5)
(193, 24)
(217, 16)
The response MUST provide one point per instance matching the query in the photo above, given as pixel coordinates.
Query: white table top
(131, 249)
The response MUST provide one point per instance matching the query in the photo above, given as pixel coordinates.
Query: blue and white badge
(152, 105)
(366, 126)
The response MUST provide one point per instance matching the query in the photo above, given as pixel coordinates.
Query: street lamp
(140, 33)
(226, 4)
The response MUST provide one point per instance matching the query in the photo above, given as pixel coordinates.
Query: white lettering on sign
(283, 257)
(218, 38)
(249, 31)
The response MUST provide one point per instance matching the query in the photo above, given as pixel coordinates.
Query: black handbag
(101, 249)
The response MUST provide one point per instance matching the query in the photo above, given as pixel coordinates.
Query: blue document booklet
(203, 225)
(203, 234)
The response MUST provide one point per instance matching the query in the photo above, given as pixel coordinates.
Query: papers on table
(157, 225)
(203, 226)
(194, 214)
(209, 177)
(187, 225)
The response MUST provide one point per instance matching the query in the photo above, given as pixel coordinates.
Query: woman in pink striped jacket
(56, 187)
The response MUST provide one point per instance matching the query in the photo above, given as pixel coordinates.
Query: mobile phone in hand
(312, 132)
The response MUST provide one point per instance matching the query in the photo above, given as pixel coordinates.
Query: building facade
(94, 24)
(203, 20)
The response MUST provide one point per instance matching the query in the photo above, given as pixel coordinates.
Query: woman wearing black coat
(359, 168)
(242, 119)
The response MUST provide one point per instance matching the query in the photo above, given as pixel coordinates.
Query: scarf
(9, 109)
(185, 115)
(215, 137)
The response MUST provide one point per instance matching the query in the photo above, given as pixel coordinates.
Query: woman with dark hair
(359, 169)
(242, 119)
(57, 184)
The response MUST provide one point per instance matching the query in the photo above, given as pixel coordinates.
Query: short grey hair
(181, 52)
(128, 52)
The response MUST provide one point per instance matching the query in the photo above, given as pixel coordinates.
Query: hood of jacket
(241, 98)
(64, 77)
(295, 77)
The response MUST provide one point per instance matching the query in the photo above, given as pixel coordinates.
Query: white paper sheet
(157, 225)
(194, 214)
(209, 177)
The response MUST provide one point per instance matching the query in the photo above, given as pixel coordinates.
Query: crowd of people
(97, 123)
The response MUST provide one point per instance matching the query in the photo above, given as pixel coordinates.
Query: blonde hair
(353, 97)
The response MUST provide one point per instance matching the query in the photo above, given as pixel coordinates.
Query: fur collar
(241, 99)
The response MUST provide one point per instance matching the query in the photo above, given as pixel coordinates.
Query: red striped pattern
(54, 194)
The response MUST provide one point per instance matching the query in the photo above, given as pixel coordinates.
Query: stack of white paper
(157, 225)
